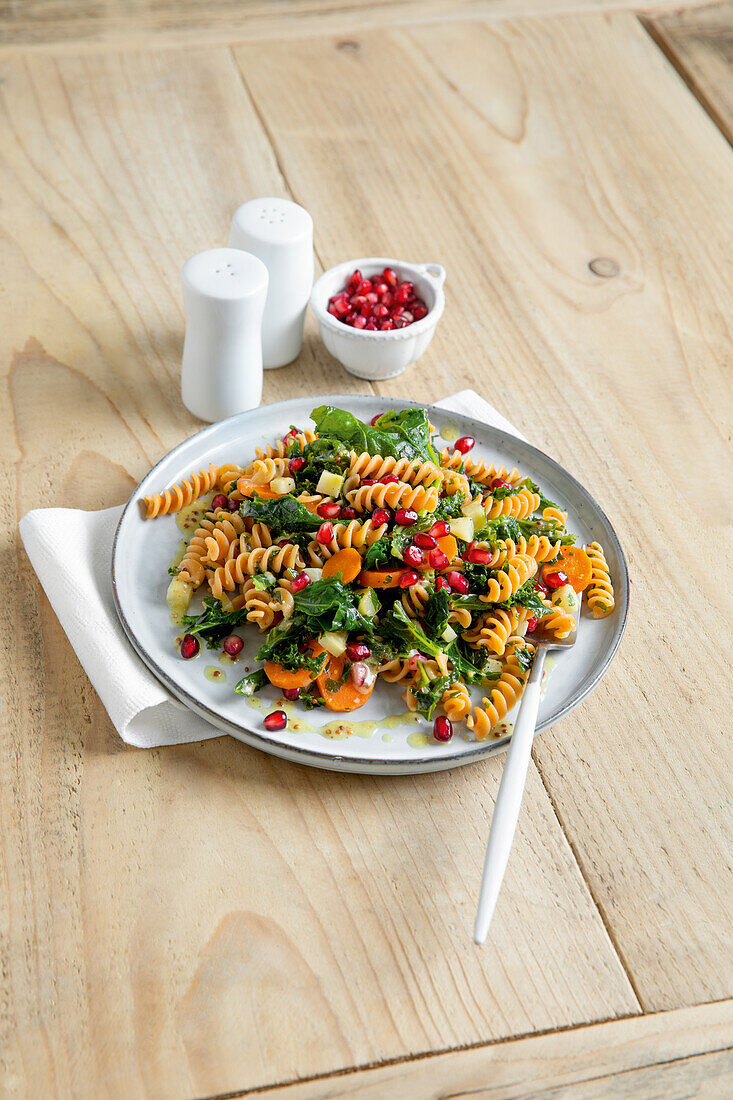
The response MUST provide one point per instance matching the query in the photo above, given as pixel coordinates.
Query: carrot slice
(289, 677)
(449, 546)
(345, 697)
(249, 488)
(575, 563)
(347, 562)
(381, 578)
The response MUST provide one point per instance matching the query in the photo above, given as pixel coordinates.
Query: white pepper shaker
(280, 233)
(224, 294)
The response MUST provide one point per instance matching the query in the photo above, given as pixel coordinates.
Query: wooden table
(208, 921)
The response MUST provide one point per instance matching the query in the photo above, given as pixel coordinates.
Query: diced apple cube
(334, 642)
(475, 512)
(282, 485)
(329, 484)
(462, 528)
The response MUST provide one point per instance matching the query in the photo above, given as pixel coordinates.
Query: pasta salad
(361, 550)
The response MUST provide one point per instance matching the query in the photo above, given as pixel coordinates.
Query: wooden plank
(115, 24)
(699, 43)
(203, 919)
(518, 156)
(676, 1055)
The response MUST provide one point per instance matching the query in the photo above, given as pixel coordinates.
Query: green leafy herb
(477, 576)
(505, 491)
(404, 434)
(311, 701)
(406, 633)
(213, 624)
(448, 508)
(280, 514)
(248, 685)
(173, 570)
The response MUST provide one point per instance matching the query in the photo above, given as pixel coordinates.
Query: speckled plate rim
(331, 761)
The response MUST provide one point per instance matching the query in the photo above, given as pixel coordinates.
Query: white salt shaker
(224, 294)
(280, 233)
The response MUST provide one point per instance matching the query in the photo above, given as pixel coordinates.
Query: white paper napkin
(71, 552)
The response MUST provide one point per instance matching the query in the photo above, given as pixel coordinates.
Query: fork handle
(509, 799)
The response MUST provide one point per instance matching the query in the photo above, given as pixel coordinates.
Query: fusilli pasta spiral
(396, 494)
(180, 496)
(601, 600)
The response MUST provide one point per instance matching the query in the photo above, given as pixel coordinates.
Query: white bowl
(377, 355)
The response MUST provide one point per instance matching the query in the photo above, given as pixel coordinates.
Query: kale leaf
(437, 610)
(528, 596)
(280, 514)
(448, 508)
(320, 455)
(213, 624)
(328, 604)
(378, 553)
(282, 642)
(428, 696)
(524, 656)
(248, 685)
(404, 434)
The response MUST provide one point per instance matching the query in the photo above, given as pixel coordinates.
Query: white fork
(513, 779)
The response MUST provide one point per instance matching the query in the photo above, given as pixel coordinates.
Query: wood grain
(699, 43)
(88, 25)
(516, 159)
(205, 919)
(676, 1055)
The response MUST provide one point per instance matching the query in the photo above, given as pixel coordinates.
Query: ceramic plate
(381, 737)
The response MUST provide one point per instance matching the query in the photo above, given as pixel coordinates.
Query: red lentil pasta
(458, 563)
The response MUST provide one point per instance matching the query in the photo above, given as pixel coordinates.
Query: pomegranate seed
(364, 286)
(413, 555)
(381, 311)
(439, 529)
(386, 326)
(390, 276)
(407, 316)
(233, 645)
(189, 646)
(396, 312)
(300, 582)
(340, 307)
(380, 516)
(464, 444)
(556, 580)
(389, 479)
(371, 325)
(355, 278)
(425, 542)
(348, 513)
(359, 673)
(356, 651)
(296, 464)
(359, 322)
(233, 504)
(380, 288)
(324, 534)
(441, 582)
(368, 481)
(419, 311)
(442, 728)
(220, 501)
(291, 694)
(476, 555)
(349, 318)
(405, 517)
(278, 720)
(286, 437)
(374, 419)
(329, 509)
(372, 297)
(532, 624)
(457, 582)
(438, 560)
(332, 310)
(500, 483)
(540, 586)
(403, 293)
(400, 322)
(408, 579)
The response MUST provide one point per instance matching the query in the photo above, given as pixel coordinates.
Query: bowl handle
(435, 272)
